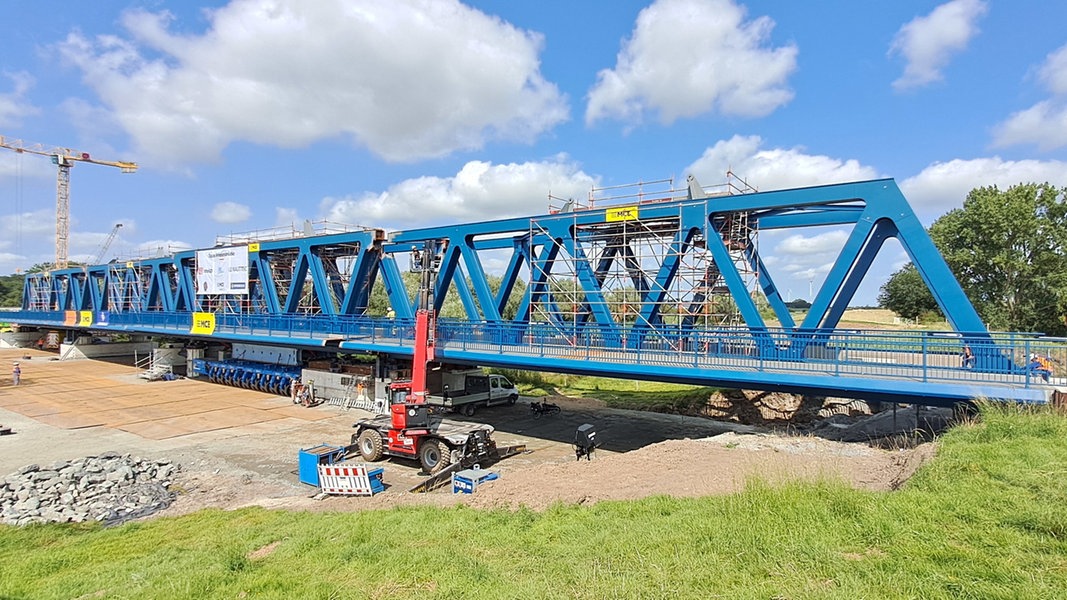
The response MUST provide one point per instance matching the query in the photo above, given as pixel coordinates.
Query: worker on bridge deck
(967, 358)
(1040, 365)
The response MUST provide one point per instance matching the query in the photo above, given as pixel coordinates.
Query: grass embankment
(986, 519)
(615, 393)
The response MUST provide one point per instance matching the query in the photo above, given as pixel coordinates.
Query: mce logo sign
(621, 213)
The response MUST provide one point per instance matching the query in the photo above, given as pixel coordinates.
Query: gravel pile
(110, 488)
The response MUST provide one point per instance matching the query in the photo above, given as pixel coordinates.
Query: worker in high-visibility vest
(1040, 365)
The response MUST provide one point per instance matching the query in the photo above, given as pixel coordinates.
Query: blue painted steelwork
(274, 379)
(556, 304)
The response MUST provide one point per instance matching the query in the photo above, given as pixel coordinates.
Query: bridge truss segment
(585, 268)
(686, 270)
(669, 264)
(673, 288)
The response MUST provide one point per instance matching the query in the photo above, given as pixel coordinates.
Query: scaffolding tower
(613, 271)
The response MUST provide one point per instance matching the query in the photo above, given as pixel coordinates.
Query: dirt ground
(240, 447)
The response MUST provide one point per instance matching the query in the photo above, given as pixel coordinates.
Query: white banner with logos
(222, 271)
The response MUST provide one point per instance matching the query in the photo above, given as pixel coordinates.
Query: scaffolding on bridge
(632, 268)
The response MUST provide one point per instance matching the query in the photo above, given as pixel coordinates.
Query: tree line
(11, 291)
(1007, 250)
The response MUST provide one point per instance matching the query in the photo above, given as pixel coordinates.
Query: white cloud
(24, 166)
(284, 217)
(1045, 123)
(1054, 72)
(480, 191)
(13, 105)
(943, 186)
(689, 57)
(800, 245)
(11, 263)
(406, 79)
(157, 248)
(775, 168)
(928, 43)
(34, 223)
(797, 260)
(22, 233)
(85, 245)
(230, 212)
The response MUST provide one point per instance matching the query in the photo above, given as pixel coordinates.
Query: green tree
(906, 294)
(11, 290)
(452, 307)
(1007, 249)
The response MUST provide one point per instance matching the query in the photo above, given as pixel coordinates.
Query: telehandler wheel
(468, 409)
(434, 456)
(370, 445)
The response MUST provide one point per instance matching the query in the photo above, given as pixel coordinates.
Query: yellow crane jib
(64, 159)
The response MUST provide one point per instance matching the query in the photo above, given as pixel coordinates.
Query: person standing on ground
(16, 374)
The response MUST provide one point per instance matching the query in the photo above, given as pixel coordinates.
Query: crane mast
(64, 159)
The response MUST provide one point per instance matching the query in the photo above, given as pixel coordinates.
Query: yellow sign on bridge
(620, 213)
(203, 323)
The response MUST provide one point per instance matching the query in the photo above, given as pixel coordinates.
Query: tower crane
(64, 159)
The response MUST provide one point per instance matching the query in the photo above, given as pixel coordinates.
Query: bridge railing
(998, 358)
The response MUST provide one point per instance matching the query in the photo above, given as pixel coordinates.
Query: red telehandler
(410, 430)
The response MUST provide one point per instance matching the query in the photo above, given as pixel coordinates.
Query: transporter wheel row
(252, 379)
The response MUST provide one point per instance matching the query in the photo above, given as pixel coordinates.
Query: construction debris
(110, 488)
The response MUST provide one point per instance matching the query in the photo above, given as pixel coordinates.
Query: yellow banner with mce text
(620, 213)
(203, 323)
(85, 318)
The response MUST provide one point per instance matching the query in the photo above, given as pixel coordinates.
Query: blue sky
(251, 114)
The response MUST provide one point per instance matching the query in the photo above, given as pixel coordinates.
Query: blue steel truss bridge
(653, 283)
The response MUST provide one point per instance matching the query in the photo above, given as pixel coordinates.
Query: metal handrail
(1000, 358)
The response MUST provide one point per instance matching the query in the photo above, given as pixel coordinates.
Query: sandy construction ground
(240, 447)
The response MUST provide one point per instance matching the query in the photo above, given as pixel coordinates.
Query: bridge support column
(192, 354)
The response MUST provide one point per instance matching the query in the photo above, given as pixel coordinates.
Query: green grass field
(985, 519)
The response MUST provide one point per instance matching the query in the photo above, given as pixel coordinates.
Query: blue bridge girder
(593, 300)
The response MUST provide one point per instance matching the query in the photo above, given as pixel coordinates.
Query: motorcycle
(544, 407)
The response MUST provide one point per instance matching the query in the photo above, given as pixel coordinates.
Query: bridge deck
(901, 366)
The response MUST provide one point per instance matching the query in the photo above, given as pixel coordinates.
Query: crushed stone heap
(111, 488)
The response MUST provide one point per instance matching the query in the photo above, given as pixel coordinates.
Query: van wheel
(369, 443)
(512, 399)
(468, 409)
(434, 456)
